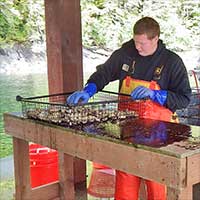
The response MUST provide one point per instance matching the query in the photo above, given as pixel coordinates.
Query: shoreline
(21, 60)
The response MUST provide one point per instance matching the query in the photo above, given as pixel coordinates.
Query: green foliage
(106, 23)
(18, 21)
(109, 23)
(13, 26)
(5, 145)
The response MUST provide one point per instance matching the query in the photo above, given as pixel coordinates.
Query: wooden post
(64, 54)
(64, 45)
(22, 170)
(66, 176)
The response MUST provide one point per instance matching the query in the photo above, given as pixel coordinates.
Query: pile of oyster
(70, 116)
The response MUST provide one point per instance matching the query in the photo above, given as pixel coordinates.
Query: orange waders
(127, 185)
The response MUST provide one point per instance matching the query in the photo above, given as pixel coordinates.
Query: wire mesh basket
(103, 106)
(191, 114)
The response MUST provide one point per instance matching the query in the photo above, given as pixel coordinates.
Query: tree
(19, 21)
(106, 23)
(111, 23)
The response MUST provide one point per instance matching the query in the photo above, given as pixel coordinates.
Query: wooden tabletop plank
(36, 131)
(148, 164)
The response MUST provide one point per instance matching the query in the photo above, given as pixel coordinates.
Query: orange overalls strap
(147, 108)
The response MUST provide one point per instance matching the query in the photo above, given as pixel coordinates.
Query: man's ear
(156, 38)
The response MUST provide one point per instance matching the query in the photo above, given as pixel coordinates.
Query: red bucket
(43, 165)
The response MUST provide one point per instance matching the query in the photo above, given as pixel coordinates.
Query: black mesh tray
(191, 114)
(103, 106)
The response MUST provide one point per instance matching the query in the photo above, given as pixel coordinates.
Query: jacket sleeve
(107, 72)
(179, 90)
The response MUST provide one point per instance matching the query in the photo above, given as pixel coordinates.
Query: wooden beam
(177, 172)
(179, 194)
(171, 171)
(64, 45)
(66, 176)
(64, 52)
(22, 169)
(193, 168)
(48, 191)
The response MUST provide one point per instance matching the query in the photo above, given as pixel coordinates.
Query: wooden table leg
(66, 177)
(196, 191)
(22, 170)
(69, 177)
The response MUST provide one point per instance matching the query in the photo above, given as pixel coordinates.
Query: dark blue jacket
(125, 61)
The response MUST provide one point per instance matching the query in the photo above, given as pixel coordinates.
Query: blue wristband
(90, 88)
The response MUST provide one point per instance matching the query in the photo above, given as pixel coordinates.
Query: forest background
(106, 23)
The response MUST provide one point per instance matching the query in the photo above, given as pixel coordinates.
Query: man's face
(144, 45)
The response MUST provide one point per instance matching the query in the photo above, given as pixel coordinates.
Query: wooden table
(176, 167)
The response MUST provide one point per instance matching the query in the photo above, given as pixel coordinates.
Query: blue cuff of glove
(160, 96)
(90, 88)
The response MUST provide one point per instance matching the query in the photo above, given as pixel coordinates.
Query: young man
(145, 70)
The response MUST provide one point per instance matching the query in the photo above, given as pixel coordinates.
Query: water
(11, 86)
(26, 86)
